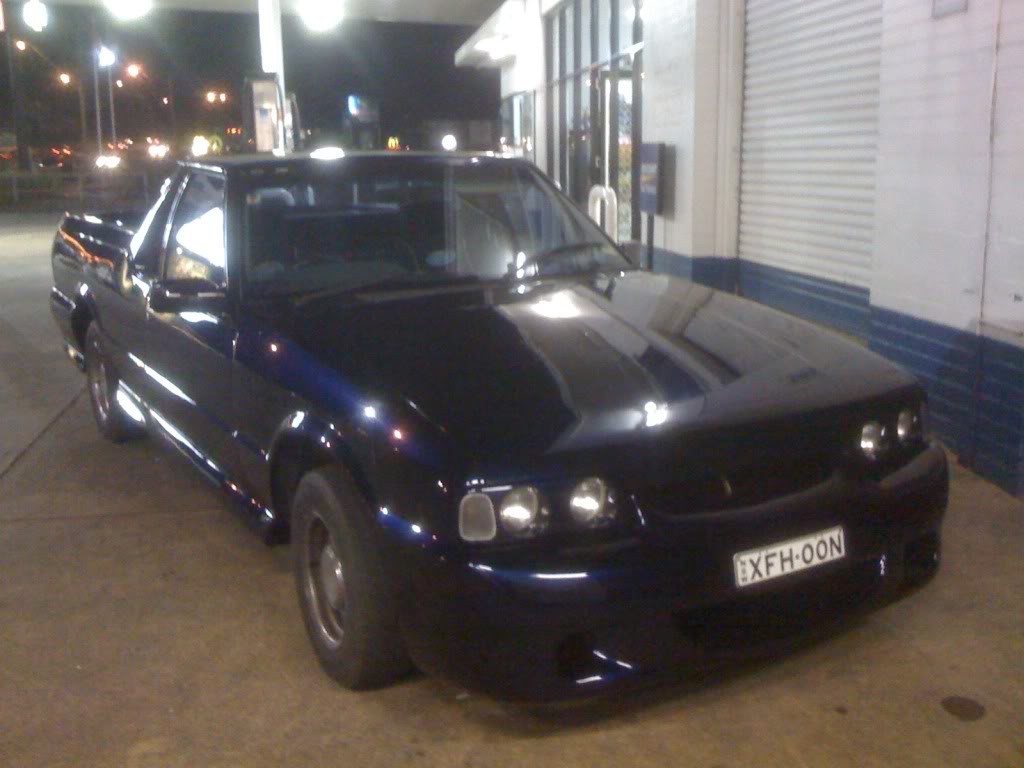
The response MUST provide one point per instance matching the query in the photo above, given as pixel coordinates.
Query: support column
(272, 55)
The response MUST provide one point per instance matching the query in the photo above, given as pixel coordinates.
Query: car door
(126, 318)
(188, 349)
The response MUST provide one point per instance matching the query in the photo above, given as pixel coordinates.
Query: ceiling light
(36, 15)
(321, 15)
(128, 10)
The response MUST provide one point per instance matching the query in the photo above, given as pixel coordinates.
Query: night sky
(408, 67)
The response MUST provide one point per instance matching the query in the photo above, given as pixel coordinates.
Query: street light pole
(17, 107)
(113, 119)
(81, 112)
(96, 95)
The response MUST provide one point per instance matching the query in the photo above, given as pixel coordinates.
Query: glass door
(612, 164)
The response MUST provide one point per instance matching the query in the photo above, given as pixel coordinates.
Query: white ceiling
(423, 11)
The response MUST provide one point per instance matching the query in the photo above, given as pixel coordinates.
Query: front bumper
(667, 599)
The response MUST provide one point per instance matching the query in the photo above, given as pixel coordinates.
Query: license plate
(786, 557)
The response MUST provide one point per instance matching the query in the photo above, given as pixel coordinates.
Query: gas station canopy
(467, 12)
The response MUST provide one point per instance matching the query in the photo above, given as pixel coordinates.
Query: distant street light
(128, 10)
(65, 78)
(120, 83)
(167, 101)
(20, 45)
(36, 15)
(321, 15)
(449, 143)
(223, 98)
(134, 70)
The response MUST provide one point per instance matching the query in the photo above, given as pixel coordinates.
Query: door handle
(605, 196)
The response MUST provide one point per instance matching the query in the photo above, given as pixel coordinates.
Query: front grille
(730, 485)
(742, 467)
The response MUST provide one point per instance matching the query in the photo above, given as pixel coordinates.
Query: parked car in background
(499, 449)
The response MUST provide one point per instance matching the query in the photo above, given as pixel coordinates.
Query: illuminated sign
(394, 144)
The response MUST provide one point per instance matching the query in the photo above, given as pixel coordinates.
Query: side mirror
(176, 296)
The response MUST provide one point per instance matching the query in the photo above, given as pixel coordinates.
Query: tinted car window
(195, 250)
(148, 241)
(392, 224)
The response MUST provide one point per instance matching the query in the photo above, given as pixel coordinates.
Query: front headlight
(589, 503)
(872, 440)
(520, 511)
(910, 424)
(517, 513)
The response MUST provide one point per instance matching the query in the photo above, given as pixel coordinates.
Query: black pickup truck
(499, 450)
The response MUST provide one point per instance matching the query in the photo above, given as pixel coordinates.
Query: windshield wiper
(538, 259)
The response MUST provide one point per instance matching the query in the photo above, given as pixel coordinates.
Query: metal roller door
(810, 137)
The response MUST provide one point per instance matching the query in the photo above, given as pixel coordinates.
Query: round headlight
(476, 518)
(908, 425)
(520, 510)
(589, 503)
(872, 440)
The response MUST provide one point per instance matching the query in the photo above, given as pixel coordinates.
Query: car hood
(562, 365)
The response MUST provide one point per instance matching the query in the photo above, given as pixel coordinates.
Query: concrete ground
(141, 624)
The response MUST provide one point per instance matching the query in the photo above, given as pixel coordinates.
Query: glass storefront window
(517, 126)
(604, 33)
(626, 15)
(569, 21)
(586, 54)
(590, 128)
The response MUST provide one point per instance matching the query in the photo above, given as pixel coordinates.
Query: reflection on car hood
(566, 364)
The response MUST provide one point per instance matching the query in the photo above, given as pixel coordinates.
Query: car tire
(103, 381)
(348, 609)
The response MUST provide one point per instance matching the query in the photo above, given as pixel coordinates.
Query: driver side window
(196, 248)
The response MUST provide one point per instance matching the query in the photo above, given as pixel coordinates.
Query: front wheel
(349, 612)
(103, 381)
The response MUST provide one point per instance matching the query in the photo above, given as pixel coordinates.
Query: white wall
(932, 211)
(1004, 279)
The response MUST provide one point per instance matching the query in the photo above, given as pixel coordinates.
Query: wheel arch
(305, 443)
(82, 316)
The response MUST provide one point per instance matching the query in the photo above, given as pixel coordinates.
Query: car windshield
(372, 223)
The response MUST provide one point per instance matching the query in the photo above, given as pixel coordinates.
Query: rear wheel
(103, 381)
(349, 612)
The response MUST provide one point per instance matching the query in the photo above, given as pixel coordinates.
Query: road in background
(36, 380)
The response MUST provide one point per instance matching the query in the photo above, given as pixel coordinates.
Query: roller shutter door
(810, 137)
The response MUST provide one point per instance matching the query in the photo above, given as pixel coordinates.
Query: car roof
(225, 163)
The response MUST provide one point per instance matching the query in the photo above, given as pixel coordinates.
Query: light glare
(321, 15)
(128, 10)
(36, 15)
(106, 57)
(327, 153)
(109, 162)
(449, 143)
(200, 146)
